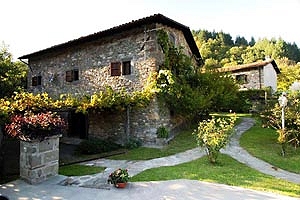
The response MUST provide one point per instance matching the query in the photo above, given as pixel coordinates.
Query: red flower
(35, 126)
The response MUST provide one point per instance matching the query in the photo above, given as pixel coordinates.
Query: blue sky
(32, 25)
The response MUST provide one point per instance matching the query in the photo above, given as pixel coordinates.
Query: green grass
(262, 143)
(79, 170)
(227, 171)
(182, 142)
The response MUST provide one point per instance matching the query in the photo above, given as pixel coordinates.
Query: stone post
(39, 159)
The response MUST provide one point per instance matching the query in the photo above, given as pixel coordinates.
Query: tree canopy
(12, 74)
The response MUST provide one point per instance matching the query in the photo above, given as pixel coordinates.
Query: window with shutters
(72, 75)
(115, 69)
(36, 80)
(126, 68)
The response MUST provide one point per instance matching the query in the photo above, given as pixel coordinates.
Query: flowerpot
(120, 185)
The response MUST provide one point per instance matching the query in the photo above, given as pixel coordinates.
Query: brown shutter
(69, 76)
(115, 69)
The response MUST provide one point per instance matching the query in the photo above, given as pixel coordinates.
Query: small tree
(213, 134)
(271, 116)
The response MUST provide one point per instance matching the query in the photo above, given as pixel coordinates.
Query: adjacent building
(257, 75)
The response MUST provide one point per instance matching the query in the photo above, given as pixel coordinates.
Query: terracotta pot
(120, 185)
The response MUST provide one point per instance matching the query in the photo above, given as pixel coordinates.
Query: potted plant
(30, 126)
(119, 178)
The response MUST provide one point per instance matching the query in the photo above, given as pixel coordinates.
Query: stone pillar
(39, 159)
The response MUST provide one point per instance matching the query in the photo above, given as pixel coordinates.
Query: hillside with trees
(219, 49)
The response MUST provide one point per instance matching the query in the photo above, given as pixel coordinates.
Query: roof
(157, 18)
(251, 66)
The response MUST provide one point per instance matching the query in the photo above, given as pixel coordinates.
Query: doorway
(78, 125)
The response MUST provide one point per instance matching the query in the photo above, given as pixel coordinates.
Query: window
(36, 80)
(72, 75)
(241, 78)
(126, 68)
(118, 68)
(115, 69)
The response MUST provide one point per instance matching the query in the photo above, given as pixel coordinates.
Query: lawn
(227, 171)
(262, 143)
(182, 142)
(79, 170)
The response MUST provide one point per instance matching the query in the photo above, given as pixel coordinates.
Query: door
(78, 125)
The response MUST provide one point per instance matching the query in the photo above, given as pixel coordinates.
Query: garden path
(134, 167)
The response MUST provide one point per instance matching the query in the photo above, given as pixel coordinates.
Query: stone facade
(257, 75)
(39, 160)
(139, 123)
(254, 78)
(92, 61)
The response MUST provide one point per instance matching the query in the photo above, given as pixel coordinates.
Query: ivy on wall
(178, 80)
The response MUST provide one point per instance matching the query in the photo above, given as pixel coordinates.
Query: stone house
(120, 57)
(257, 75)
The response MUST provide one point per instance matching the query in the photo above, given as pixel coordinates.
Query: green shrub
(162, 132)
(94, 146)
(213, 134)
(133, 143)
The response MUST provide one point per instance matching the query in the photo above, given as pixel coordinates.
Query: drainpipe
(260, 77)
(127, 130)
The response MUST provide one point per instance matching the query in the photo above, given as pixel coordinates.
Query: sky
(28, 26)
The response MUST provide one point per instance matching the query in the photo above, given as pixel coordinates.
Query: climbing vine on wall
(103, 100)
(178, 80)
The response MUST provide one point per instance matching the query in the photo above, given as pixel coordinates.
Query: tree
(240, 41)
(12, 74)
(225, 39)
(272, 116)
(252, 42)
(252, 54)
(290, 73)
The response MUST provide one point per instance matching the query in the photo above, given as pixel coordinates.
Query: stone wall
(254, 78)
(39, 160)
(140, 123)
(105, 125)
(92, 60)
(145, 122)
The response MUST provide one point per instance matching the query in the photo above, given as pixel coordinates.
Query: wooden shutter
(115, 69)
(69, 76)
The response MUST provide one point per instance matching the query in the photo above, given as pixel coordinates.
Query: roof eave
(157, 18)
